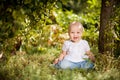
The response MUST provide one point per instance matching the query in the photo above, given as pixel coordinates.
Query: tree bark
(105, 33)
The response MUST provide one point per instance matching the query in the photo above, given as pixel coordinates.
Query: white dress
(76, 52)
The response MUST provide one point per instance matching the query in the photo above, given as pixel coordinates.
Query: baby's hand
(56, 61)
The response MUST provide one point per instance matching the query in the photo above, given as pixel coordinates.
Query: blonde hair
(75, 23)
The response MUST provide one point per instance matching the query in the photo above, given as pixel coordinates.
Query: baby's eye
(78, 32)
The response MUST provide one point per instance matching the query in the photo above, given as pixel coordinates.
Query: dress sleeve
(65, 46)
(87, 47)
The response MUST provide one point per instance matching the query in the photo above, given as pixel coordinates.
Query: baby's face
(75, 33)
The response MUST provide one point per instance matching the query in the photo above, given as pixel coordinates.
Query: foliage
(26, 19)
(39, 27)
(88, 17)
(116, 19)
(38, 67)
(32, 21)
(108, 59)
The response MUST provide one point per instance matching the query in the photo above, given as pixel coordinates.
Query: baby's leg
(86, 65)
(66, 64)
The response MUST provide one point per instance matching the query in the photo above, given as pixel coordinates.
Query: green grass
(38, 67)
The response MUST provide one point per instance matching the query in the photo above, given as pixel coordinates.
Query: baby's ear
(81, 34)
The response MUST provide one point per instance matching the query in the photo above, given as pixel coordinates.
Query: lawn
(38, 66)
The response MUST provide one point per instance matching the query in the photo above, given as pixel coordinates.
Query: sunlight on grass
(38, 67)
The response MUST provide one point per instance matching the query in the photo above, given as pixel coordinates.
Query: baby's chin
(75, 40)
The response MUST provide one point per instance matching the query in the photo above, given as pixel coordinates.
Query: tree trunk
(105, 33)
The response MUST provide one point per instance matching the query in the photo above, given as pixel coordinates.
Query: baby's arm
(62, 55)
(91, 56)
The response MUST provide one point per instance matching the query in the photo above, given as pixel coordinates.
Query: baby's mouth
(75, 37)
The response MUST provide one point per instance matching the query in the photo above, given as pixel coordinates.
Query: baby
(76, 51)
